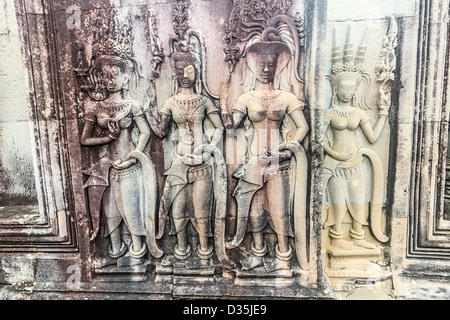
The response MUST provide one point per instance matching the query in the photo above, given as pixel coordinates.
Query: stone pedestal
(347, 267)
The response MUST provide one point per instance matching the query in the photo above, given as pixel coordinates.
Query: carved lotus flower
(109, 47)
(97, 49)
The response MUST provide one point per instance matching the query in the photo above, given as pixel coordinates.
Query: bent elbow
(159, 133)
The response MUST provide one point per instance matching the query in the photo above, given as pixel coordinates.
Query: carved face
(266, 65)
(186, 74)
(115, 78)
(346, 90)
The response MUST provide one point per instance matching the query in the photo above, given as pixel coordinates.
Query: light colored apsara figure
(345, 179)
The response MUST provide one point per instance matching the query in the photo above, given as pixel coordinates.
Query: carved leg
(259, 250)
(182, 249)
(279, 220)
(205, 250)
(336, 232)
(117, 248)
(112, 221)
(200, 196)
(358, 212)
(357, 233)
(283, 253)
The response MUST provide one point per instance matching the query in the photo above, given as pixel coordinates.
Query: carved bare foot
(364, 244)
(251, 262)
(105, 262)
(128, 261)
(168, 261)
(197, 263)
(342, 244)
(119, 253)
(276, 264)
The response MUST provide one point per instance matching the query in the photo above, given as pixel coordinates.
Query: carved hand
(121, 165)
(191, 159)
(227, 120)
(383, 110)
(343, 156)
(113, 129)
(285, 155)
(265, 157)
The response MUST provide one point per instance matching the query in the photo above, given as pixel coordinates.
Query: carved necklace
(344, 113)
(186, 108)
(266, 100)
(116, 112)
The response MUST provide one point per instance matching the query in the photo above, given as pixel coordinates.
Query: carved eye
(190, 69)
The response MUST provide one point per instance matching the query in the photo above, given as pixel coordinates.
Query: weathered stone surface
(237, 149)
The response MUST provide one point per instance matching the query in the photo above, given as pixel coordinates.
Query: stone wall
(224, 149)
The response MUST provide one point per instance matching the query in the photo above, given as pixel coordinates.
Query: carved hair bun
(271, 34)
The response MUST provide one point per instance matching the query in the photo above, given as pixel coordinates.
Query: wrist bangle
(112, 137)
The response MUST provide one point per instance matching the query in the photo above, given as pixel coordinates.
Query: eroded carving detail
(195, 189)
(122, 184)
(156, 45)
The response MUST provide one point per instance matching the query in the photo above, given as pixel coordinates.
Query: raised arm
(144, 130)
(372, 134)
(159, 122)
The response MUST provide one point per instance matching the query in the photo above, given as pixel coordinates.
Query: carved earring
(126, 86)
(334, 101)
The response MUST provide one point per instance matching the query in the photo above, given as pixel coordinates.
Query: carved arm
(159, 123)
(88, 140)
(372, 134)
(214, 117)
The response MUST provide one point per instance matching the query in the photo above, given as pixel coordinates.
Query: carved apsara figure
(264, 192)
(195, 190)
(345, 180)
(122, 184)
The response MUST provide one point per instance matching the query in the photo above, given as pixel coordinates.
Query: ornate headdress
(188, 46)
(271, 43)
(111, 45)
(345, 65)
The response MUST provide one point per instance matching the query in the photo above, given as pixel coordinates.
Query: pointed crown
(347, 65)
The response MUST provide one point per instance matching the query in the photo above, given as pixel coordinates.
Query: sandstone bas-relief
(354, 187)
(122, 184)
(62, 113)
(195, 193)
(263, 193)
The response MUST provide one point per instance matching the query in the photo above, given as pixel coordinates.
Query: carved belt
(347, 169)
(200, 172)
(118, 175)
